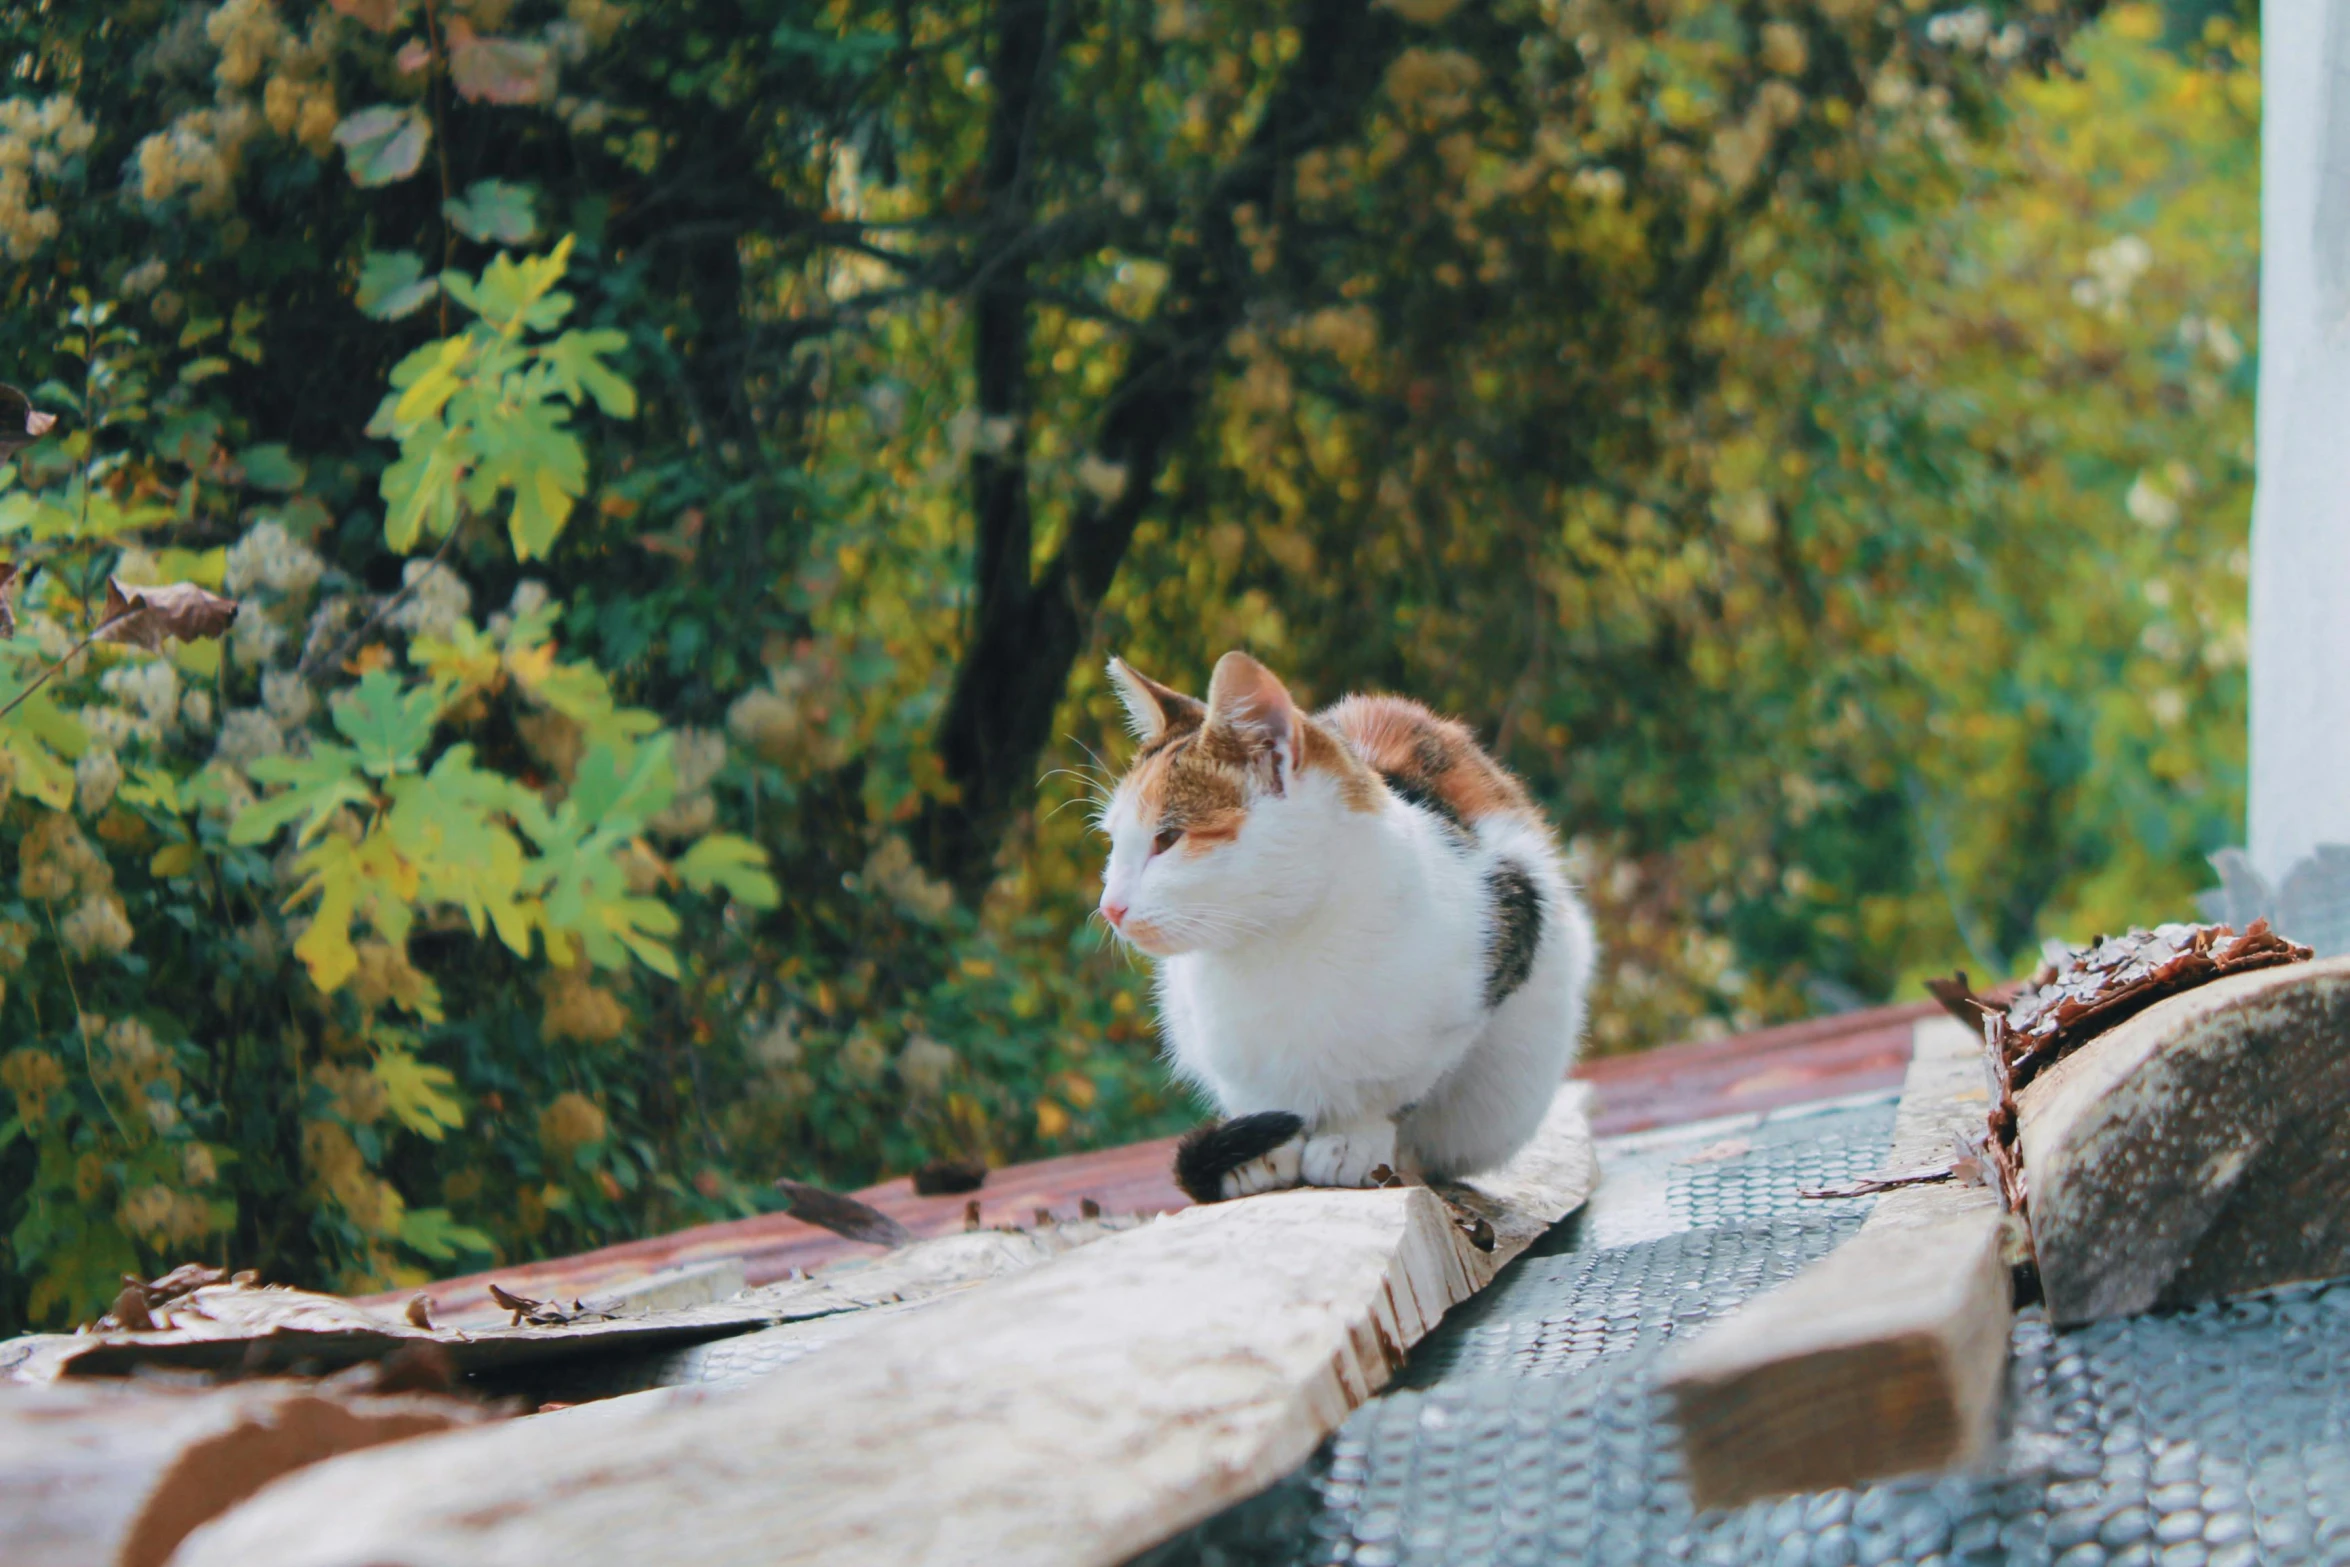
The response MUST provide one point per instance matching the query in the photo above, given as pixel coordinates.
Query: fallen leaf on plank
(843, 1215)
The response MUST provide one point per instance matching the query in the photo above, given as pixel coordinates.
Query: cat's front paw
(1361, 1155)
(1272, 1171)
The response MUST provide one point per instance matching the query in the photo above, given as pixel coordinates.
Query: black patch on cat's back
(1209, 1153)
(1420, 790)
(1517, 931)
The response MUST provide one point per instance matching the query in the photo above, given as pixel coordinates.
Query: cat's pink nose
(1115, 913)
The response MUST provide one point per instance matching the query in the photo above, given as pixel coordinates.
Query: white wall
(2301, 511)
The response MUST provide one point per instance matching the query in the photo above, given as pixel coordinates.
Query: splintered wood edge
(1886, 1356)
(2143, 1150)
(1068, 1416)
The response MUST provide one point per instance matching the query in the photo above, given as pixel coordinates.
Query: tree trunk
(1030, 625)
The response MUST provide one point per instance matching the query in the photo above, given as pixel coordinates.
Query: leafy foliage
(1808, 439)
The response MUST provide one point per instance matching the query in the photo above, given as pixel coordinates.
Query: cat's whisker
(1099, 765)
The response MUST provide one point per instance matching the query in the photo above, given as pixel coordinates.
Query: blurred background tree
(1809, 438)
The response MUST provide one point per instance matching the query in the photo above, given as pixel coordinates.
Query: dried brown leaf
(500, 70)
(21, 424)
(844, 1216)
(545, 1313)
(143, 617)
(12, 581)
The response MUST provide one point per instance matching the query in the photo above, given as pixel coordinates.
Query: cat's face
(1222, 830)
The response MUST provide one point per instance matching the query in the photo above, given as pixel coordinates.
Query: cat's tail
(1210, 1152)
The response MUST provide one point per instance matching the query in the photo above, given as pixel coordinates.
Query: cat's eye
(1167, 839)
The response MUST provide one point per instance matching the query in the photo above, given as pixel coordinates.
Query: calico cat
(1369, 954)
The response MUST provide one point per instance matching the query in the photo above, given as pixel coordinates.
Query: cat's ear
(1153, 709)
(1248, 702)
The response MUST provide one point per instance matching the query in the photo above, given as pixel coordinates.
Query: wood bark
(1073, 1414)
(2197, 1150)
(1887, 1356)
(115, 1476)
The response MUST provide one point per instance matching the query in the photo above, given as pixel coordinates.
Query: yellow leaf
(325, 948)
(174, 860)
(416, 1092)
(531, 665)
(40, 774)
(430, 390)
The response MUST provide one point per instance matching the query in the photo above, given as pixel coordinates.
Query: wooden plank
(116, 1476)
(229, 1328)
(2197, 1150)
(772, 1247)
(1069, 1416)
(1885, 1357)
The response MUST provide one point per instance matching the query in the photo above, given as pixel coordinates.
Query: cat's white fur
(1332, 962)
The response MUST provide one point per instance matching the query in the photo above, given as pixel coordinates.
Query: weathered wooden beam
(109, 1475)
(1883, 1358)
(2197, 1150)
(245, 1330)
(1068, 1416)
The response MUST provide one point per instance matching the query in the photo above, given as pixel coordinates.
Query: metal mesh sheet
(1527, 1430)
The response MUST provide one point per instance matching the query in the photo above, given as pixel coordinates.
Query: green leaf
(383, 144)
(734, 863)
(152, 786)
(420, 492)
(494, 212)
(271, 467)
(318, 785)
(390, 725)
(417, 1093)
(576, 359)
(519, 291)
(40, 715)
(24, 512)
(392, 284)
(618, 790)
(447, 825)
(430, 1232)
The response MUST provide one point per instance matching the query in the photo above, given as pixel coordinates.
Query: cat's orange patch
(1197, 780)
(1433, 757)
